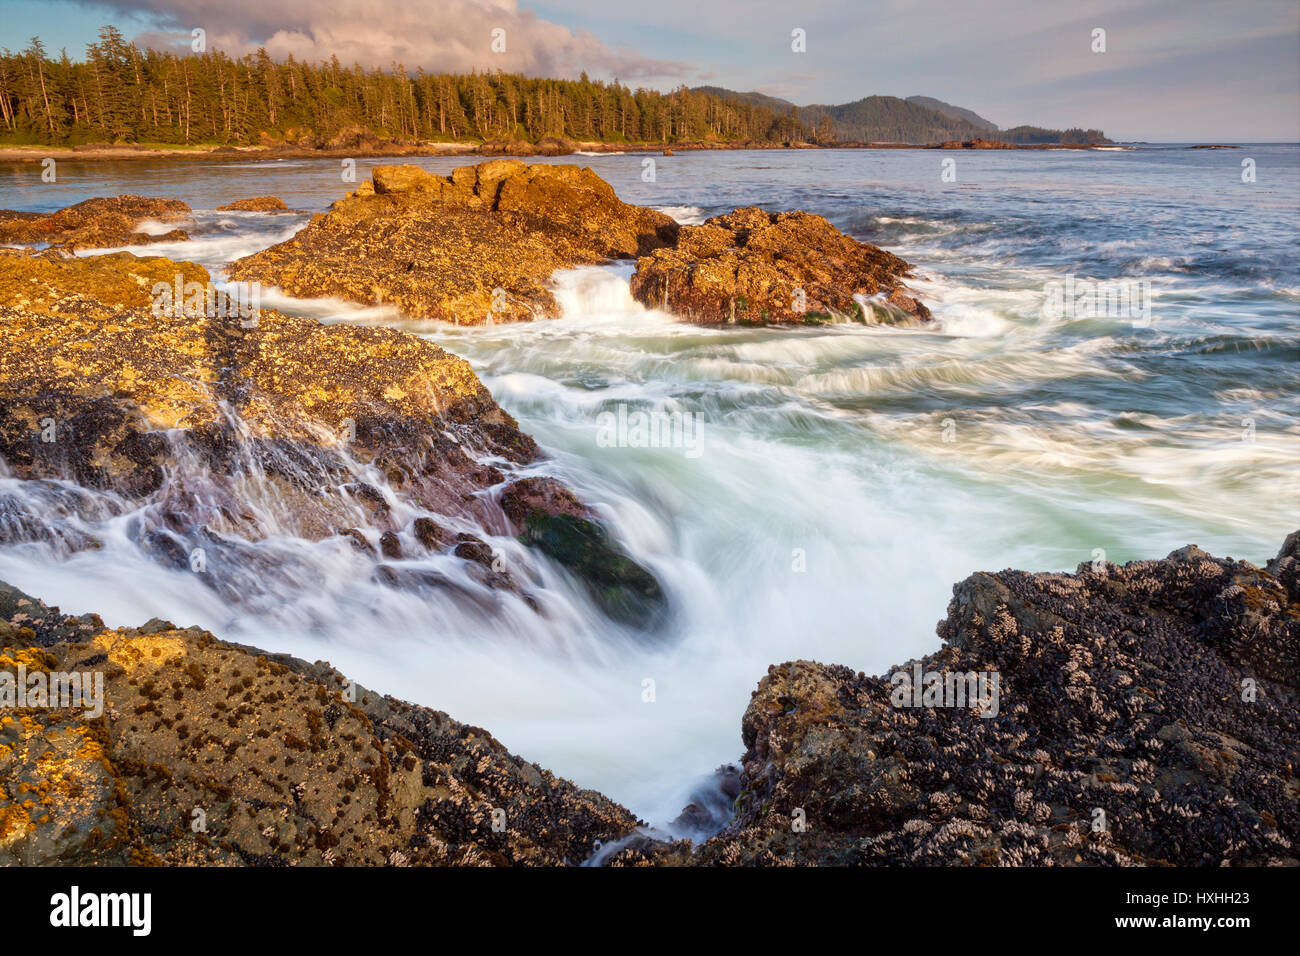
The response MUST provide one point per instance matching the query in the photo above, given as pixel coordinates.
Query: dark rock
(429, 534)
(521, 498)
(390, 546)
(1147, 715)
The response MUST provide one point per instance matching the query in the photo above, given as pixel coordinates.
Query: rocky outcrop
(546, 146)
(756, 267)
(505, 147)
(556, 146)
(255, 204)
(1145, 714)
(482, 244)
(977, 143)
(96, 223)
(198, 752)
(355, 137)
(477, 246)
(185, 413)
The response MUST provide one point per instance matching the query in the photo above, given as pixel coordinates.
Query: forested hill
(123, 93)
(956, 112)
(888, 119)
(917, 119)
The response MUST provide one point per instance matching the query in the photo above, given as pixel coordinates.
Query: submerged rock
(623, 589)
(208, 753)
(1145, 714)
(755, 267)
(550, 518)
(477, 246)
(96, 223)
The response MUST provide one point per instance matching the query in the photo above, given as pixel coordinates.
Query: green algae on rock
(550, 518)
(623, 589)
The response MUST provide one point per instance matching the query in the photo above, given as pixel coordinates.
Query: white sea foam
(686, 215)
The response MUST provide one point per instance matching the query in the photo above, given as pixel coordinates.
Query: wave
(212, 244)
(686, 215)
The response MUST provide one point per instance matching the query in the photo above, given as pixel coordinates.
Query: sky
(1170, 70)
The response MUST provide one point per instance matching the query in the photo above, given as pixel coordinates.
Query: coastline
(129, 153)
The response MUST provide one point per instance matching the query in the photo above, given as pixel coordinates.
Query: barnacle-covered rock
(208, 753)
(1145, 714)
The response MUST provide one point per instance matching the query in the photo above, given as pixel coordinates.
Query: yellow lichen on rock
(133, 651)
(92, 286)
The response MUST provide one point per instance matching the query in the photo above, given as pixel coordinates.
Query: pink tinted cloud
(450, 35)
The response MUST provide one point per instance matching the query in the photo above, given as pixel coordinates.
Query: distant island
(164, 103)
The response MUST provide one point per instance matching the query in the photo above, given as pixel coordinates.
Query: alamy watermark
(194, 300)
(656, 428)
(1090, 299)
(133, 911)
(919, 688)
(71, 690)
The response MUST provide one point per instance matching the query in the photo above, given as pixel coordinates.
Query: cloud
(1174, 69)
(442, 35)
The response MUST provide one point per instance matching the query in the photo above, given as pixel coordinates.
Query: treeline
(121, 93)
(1036, 135)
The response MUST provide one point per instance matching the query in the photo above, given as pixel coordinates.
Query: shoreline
(130, 153)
